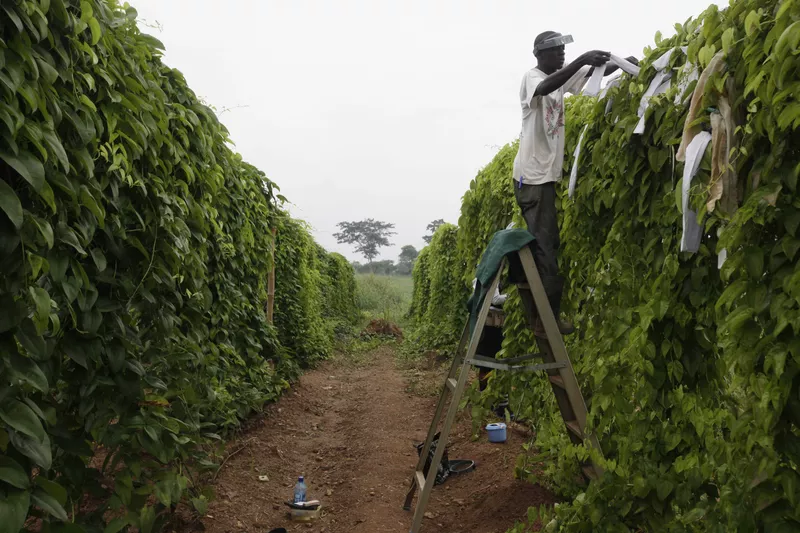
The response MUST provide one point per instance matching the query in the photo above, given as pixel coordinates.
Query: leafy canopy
(368, 236)
(432, 227)
(691, 369)
(405, 262)
(134, 252)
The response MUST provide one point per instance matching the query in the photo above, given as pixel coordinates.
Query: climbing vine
(689, 361)
(134, 251)
(440, 291)
(317, 294)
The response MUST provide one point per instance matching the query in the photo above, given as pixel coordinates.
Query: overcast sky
(376, 108)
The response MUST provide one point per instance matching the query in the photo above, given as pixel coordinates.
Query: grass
(387, 297)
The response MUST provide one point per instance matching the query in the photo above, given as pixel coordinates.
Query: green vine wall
(690, 370)
(134, 251)
(440, 291)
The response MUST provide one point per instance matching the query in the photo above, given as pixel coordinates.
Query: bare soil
(350, 429)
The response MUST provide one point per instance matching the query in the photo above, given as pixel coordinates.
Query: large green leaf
(45, 229)
(77, 352)
(24, 370)
(53, 489)
(116, 525)
(754, 260)
(13, 17)
(20, 417)
(10, 204)
(13, 474)
(54, 143)
(66, 235)
(147, 517)
(31, 341)
(99, 259)
(42, 301)
(91, 204)
(38, 452)
(47, 503)
(27, 166)
(13, 511)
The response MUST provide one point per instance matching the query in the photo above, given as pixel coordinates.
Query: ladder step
(573, 426)
(507, 360)
(557, 381)
(451, 384)
(522, 359)
(501, 364)
(420, 477)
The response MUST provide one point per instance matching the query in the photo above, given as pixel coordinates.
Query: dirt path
(351, 432)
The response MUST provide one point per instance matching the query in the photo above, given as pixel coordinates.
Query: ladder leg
(564, 382)
(457, 360)
(458, 390)
(452, 411)
(430, 479)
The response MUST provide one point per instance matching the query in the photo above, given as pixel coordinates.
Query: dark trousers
(538, 205)
(491, 342)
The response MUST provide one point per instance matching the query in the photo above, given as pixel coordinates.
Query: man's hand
(595, 58)
(633, 60)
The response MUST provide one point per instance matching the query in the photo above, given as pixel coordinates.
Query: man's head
(551, 58)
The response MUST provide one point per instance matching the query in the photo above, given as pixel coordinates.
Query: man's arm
(557, 79)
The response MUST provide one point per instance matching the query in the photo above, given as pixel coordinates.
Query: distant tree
(385, 267)
(432, 227)
(405, 263)
(368, 236)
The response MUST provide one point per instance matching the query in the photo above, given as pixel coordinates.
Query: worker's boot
(501, 408)
(553, 286)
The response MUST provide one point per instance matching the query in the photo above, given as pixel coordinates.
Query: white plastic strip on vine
(692, 232)
(626, 65)
(573, 175)
(608, 87)
(593, 87)
(690, 73)
(659, 85)
(612, 83)
(723, 254)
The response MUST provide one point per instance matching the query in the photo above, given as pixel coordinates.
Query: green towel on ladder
(502, 244)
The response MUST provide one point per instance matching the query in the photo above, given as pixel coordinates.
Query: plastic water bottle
(300, 491)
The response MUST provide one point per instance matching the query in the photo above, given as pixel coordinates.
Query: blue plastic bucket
(497, 432)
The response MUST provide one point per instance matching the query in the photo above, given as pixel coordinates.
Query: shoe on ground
(500, 411)
(564, 326)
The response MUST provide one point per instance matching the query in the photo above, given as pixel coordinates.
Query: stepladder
(552, 359)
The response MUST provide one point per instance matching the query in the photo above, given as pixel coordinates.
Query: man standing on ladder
(540, 160)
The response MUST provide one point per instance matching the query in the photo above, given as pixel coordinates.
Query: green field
(385, 297)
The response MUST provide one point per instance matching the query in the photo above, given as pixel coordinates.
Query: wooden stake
(271, 280)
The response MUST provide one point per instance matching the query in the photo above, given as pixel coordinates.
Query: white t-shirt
(541, 142)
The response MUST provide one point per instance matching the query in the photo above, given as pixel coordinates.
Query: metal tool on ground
(446, 467)
(555, 362)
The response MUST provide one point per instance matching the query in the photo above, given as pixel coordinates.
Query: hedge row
(439, 292)
(134, 256)
(315, 296)
(692, 372)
